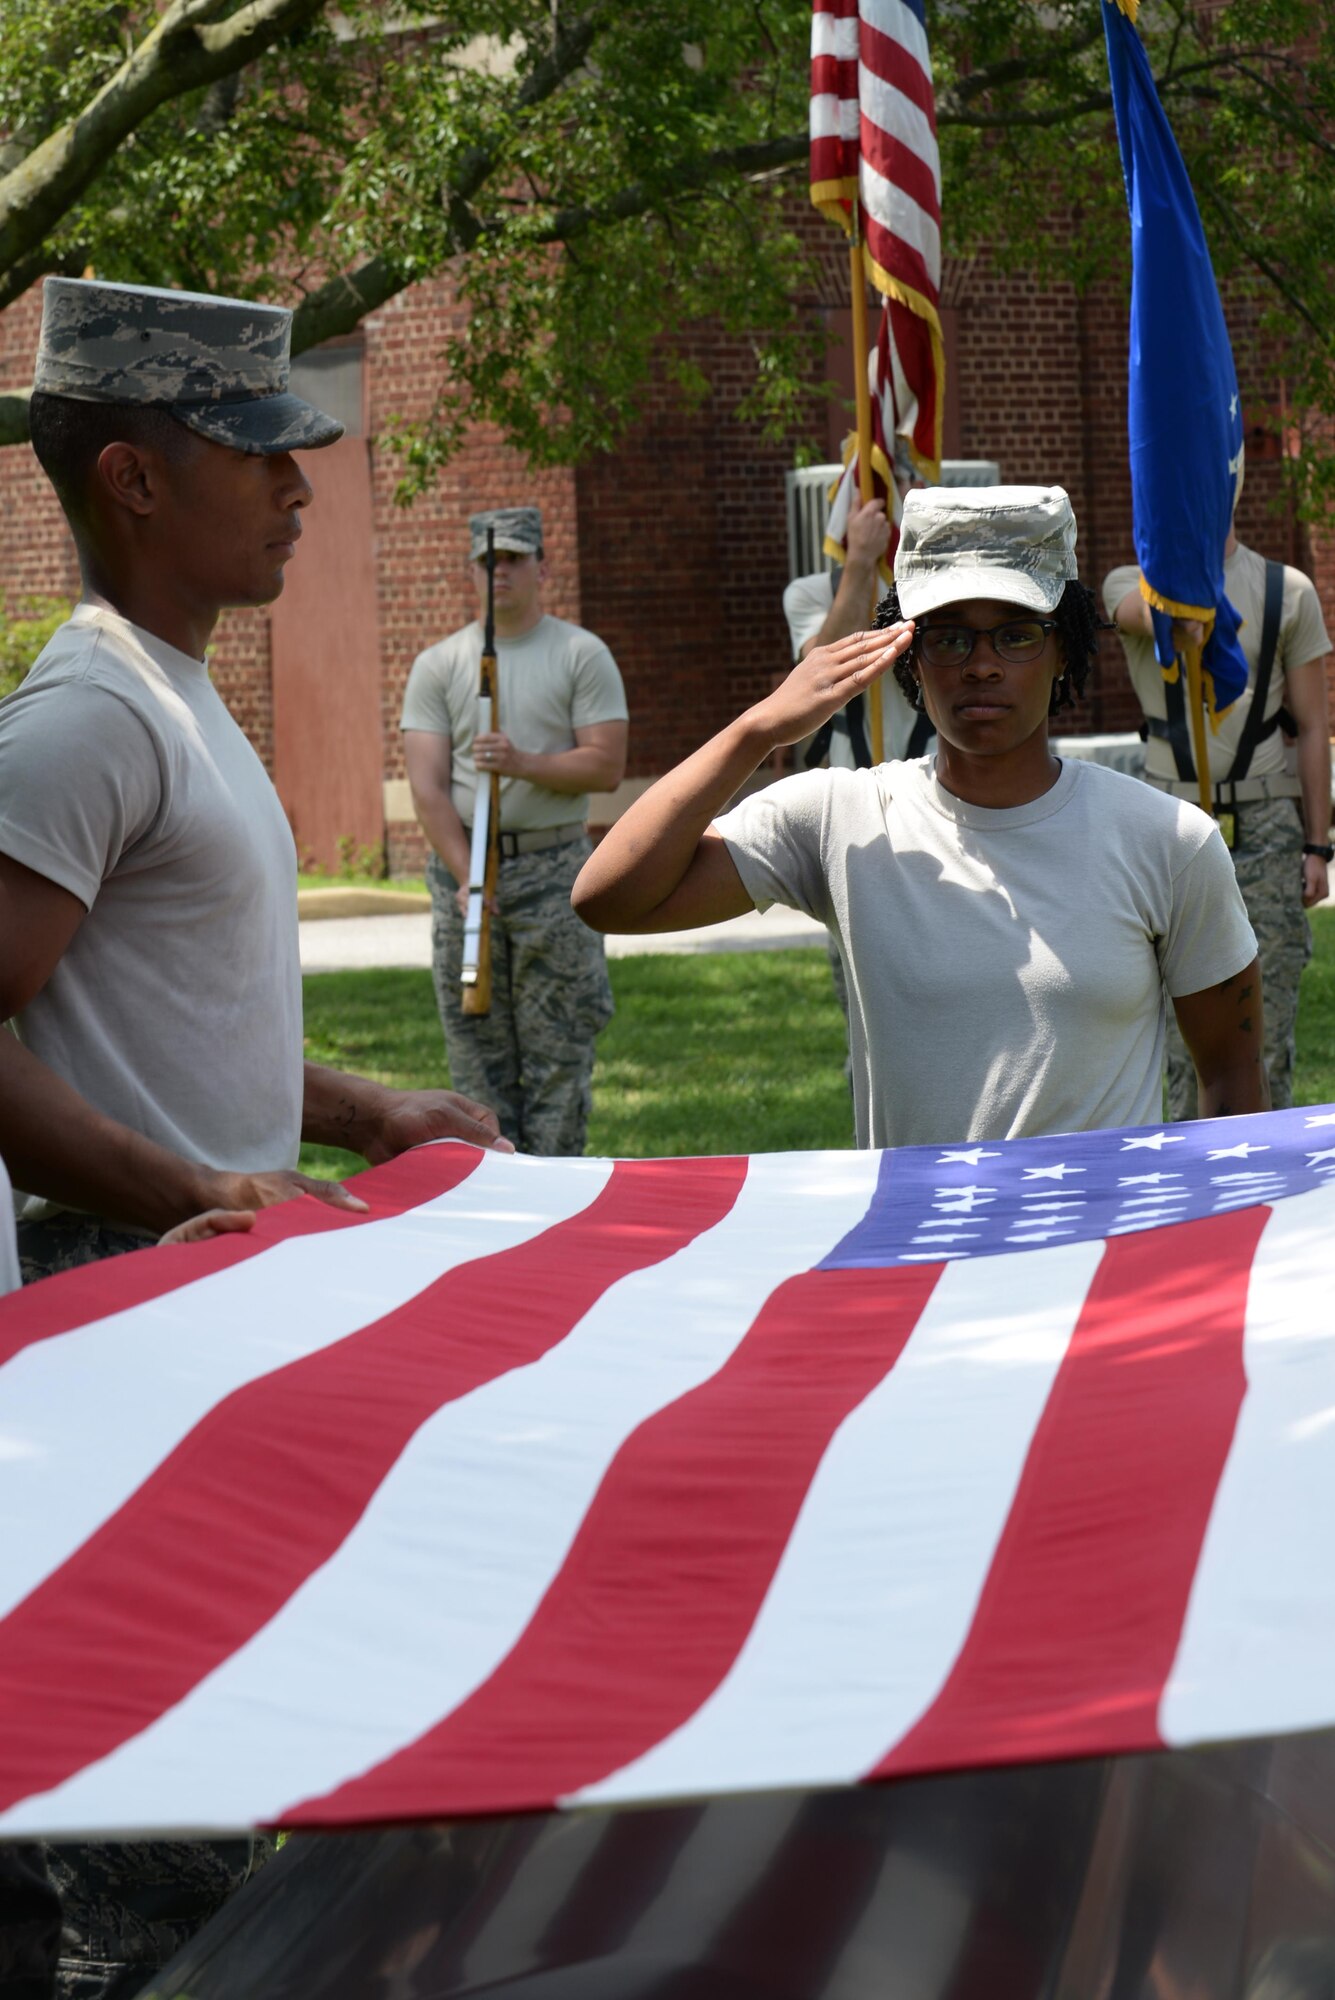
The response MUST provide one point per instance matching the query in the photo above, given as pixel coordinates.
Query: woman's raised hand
(828, 678)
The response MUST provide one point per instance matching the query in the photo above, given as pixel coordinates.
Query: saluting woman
(1009, 923)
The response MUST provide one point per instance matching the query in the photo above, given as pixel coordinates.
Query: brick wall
(36, 554)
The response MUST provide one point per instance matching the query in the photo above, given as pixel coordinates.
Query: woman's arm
(659, 868)
(1224, 1028)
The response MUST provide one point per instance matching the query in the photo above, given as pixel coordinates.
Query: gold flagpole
(1199, 741)
(861, 356)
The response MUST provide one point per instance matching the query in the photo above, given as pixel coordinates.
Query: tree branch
(337, 306)
(1270, 271)
(639, 198)
(1015, 69)
(14, 416)
(40, 264)
(185, 50)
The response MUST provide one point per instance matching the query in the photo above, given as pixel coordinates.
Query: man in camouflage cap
(148, 934)
(560, 734)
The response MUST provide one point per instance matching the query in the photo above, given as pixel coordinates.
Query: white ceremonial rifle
(484, 860)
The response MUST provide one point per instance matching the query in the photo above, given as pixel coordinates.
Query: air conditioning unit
(807, 491)
(970, 472)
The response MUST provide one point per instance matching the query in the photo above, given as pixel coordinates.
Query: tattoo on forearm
(345, 1116)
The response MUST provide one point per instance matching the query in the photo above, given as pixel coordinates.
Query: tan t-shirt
(1302, 637)
(176, 1008)
(553, 680)
(1005, 969)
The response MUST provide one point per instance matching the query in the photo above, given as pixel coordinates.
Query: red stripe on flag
(268, 1485)
(835, 76)
(905, 169)
(669, 1567)
(903, 262)
(1079, 1620)
(93, 1292)
(893, 64)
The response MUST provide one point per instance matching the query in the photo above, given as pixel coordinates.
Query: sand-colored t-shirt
(1302, 638)
(176, 1008)
(554, 679)
(1005, 969)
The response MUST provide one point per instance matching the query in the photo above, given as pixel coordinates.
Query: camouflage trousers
(1267, 861)
(531, 1057)
(126, 1907)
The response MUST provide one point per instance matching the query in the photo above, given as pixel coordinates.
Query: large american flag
(559, 1482)
(873, 145)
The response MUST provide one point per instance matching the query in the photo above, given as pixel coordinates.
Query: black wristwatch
(1325, 853)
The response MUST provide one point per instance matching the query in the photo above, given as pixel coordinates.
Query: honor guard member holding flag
(1276, 821)
(560, 734)
(148, 920)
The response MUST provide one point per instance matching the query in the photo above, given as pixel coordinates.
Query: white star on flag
(1144, 1180)
(1327, 1154)
(1155, 1141)
(1326, 1118)
(970, 1155)
(1056, 1173)
(1242, 1152)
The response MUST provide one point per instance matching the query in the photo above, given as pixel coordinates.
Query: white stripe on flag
(927, 1908)
(838, 35)
(834, 118)
(173, 1359)
(876, 1590)
(901, 118)
(899, 405)
(464, 1536)
(900, 214)
(1259, 1637)
(834, 35)
(726, 1858)
(898, 23)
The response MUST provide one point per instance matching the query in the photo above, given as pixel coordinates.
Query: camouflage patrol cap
(1012, 543)
(218, 365)
(518, 529)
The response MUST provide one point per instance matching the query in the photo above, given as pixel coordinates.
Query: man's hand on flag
(414, 1117)
(868, 536)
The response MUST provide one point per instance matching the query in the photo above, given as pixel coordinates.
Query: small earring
(917, 693)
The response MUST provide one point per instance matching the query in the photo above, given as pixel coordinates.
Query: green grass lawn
(1314, 1078)
(733, 1052)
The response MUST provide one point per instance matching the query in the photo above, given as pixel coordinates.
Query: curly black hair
(1078, 627)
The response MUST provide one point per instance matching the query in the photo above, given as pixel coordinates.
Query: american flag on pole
(874, 147)
(568, 1481)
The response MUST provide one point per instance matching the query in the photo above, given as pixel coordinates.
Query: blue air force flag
(1183, 411)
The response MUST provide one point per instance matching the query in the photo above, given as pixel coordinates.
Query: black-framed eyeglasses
(1015, 640)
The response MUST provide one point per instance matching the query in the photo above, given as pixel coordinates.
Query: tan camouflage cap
(219, 365)
(518, 529)
(1012, 543)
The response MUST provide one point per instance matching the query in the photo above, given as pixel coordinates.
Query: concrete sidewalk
(353, 943)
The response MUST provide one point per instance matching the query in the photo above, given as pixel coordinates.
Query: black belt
(534, 839)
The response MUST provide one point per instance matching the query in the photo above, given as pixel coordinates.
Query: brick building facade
(673, 548)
